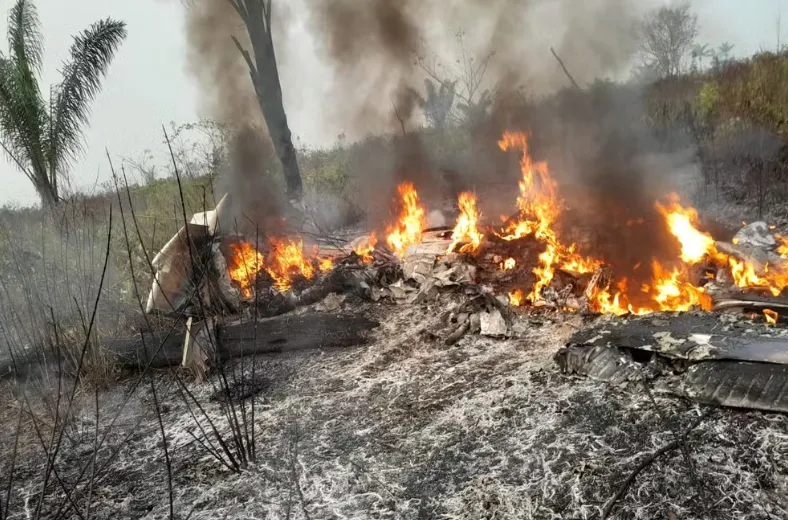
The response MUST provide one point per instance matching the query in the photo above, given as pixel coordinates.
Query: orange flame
(412, 221)
(540, 207)
(695, 245)
(771, 316)
(516, 298)
(466, 229)
(606, 303)
(243, 266)
(544, 272)
(325, 264)
(744, 276)
(782, 249)
(365, 250)
(579, 264)
(669, 293)
(537, 201)
(285, 261)
(288, 261)
(675, 294)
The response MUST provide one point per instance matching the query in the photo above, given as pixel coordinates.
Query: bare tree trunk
(256, 15)
(47, 192)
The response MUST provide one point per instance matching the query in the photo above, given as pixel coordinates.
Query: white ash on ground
(407, 428)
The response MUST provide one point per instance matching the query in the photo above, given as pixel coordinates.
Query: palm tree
(44, 136)
(722, 56)
(699, 53)
(438, 103)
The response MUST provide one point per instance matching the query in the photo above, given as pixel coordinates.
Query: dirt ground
(408, 428)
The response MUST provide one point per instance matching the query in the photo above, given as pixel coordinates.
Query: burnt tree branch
(248, 59)
(566, 71)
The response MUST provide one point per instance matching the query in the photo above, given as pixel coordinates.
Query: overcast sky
(148, 83)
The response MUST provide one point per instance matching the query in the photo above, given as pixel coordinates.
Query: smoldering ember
(533, 294)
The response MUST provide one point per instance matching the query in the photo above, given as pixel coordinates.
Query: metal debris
(700, 357)
(492, 324)
(756, 234)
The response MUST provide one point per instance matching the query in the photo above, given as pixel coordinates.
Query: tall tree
(256, 16)
(667, 37)
(43, 137)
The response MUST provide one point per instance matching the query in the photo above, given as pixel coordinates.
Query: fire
(771, 316)
(325, 264)
(537, 202)
(695, 245)
(466, 229)
(365, 250)
(670, 292)
(285, 261)
(516, 298)
(288, 261)
(544, 272)
(782, 248)
(675, 294)
(411, 223)
(540, 206)
(579, 264)
(744, 275)
(606, 303)
(243, 266)
(508, 264)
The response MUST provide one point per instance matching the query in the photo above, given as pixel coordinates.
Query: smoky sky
(228, 97)
(213, 59)
(370, 51)
(372, 46)
(367, 52)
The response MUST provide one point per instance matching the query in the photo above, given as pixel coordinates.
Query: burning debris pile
(524, 261)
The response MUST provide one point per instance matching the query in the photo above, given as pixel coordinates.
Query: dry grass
(409, 428)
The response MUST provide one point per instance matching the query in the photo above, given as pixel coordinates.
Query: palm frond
(22, 96)
(13, 141)
(23, 120)
(91, 54)
(25, 41)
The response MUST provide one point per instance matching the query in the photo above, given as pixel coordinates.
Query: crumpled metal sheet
(601, 363)
(689, 337)
(693, 356)
(756, 234)
(735, 384)
(757, 386)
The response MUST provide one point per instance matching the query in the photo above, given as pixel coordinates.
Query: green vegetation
(43, 136)
(751, 90)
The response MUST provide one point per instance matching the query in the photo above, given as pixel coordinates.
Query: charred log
(266, 336)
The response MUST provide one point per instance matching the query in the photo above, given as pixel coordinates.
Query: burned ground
(406, 427)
